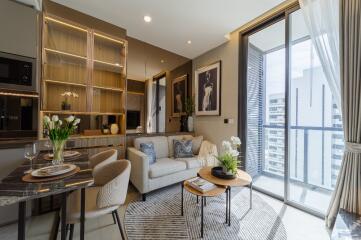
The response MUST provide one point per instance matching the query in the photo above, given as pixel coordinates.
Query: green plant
(229, 161)
(189, 106)
(58, 129)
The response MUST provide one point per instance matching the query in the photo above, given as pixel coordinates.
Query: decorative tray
(218, 172)
(52, 171)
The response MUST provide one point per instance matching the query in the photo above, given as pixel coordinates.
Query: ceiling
(174, 22)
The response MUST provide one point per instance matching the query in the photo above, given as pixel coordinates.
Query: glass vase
(58, 152)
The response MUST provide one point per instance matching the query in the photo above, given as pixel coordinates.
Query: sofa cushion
(182, 148)
(166, 166)
(176, 137)
(160, 145)
(192, 162)
(148, 149)
(196, 143)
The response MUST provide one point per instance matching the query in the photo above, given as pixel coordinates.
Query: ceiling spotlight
(162, 61)
(189, 41)
(147, 18)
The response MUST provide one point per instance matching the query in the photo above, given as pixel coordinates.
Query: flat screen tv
(133, 119)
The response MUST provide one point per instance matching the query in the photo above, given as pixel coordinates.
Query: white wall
(213, 128)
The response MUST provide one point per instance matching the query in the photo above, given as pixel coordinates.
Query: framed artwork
(208, 90)
(179, 94)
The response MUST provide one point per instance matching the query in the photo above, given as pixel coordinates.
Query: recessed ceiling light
(147, 18)
(189, 41)
(162, 61)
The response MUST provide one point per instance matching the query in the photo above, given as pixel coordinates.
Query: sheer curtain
(322, 20)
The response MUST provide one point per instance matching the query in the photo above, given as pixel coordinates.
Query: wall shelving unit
(89, 63)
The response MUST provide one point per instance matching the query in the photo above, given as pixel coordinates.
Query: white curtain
(322, 20)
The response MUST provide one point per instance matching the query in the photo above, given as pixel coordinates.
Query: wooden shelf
(109, 89)
(65, 83)
(50, 19)
(53, 51)
(63, 112)
(135, 93)
(92, 136)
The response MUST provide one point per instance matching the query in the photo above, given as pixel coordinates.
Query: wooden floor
(299, 225)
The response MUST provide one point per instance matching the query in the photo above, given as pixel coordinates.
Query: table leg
(63, 216)
(182, 199)
(226, 205)
(21, 220)
(229, 206)
(205, 201)
(250, 195)
(82, 213)
(202, 205)
(197, 200)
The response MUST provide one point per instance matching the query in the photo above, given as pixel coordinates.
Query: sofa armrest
(140, 169)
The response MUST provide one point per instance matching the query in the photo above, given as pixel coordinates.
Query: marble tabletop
(13, 189)
(347, 226)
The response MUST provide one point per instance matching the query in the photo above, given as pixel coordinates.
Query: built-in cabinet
(83, 74)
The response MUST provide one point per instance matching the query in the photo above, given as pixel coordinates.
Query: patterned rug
(159, 217)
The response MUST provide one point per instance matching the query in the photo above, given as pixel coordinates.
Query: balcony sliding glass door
(293, 134)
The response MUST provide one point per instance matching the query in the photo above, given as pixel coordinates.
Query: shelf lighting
(65, 24)
(19, 94)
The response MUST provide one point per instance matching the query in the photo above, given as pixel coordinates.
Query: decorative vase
(190, 124)
(65, 106)
(58, 152)
(114, 129)
(184, 124)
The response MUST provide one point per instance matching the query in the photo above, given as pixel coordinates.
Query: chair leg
(119, 225)
(115, 221)
(71, 232)
(144, 197)
(55, 230)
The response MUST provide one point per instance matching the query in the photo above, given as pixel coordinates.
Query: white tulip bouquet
(58, 132)
(229, 156)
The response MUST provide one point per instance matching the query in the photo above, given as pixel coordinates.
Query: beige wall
(213, 128)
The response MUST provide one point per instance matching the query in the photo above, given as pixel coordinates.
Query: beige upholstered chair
(103, 158)
(111, 184)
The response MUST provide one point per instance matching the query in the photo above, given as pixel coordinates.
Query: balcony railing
(311, 154)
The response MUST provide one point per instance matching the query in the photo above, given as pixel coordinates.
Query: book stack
(200, 184)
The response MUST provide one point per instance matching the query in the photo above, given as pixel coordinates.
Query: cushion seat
(165, 166)
(191, 163)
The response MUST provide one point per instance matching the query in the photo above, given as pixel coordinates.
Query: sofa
(166, 170)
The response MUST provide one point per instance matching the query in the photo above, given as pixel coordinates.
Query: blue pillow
(148, 149)
(182, 148)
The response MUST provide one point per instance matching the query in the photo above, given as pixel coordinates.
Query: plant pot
(190, 123)
(226, 171)
(65, 106)
(58, 152)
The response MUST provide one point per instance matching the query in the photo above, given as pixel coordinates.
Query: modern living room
(136, 119)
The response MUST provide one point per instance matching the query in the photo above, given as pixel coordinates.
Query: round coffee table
(218, 190)
(243, 179)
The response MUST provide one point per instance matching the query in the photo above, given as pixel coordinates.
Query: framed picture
(208, 90)
(179, 94)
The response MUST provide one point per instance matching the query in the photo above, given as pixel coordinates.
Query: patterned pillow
(148, 149)
(182, 148)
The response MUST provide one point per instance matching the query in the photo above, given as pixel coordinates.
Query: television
(133, 119)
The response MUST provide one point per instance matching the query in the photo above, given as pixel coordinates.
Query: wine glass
(30, 152)
(48, 145)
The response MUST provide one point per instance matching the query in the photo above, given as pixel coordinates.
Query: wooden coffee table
(243, 179)
(212, 193)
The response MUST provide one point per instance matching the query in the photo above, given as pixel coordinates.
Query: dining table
(13, 190)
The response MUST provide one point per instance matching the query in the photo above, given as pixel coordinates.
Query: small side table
(242, 179)
(212, 193)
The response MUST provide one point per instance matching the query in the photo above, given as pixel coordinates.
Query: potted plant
(189, 109)
(58, 133)
(229, 157)
(65, 105)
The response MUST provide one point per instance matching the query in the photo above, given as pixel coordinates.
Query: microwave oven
(17, 72)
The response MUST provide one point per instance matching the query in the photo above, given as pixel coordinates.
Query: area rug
(160, 217)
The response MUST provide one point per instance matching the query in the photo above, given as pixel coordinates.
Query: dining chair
(109, 193)
(103, 158)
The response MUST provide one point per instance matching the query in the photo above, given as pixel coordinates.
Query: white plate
(67, 154)
(52, 171)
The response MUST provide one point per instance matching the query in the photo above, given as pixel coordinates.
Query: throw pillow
(148, 149)
(197, 142)
(182, 148)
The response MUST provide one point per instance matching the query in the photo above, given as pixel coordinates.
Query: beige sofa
(166, 170)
